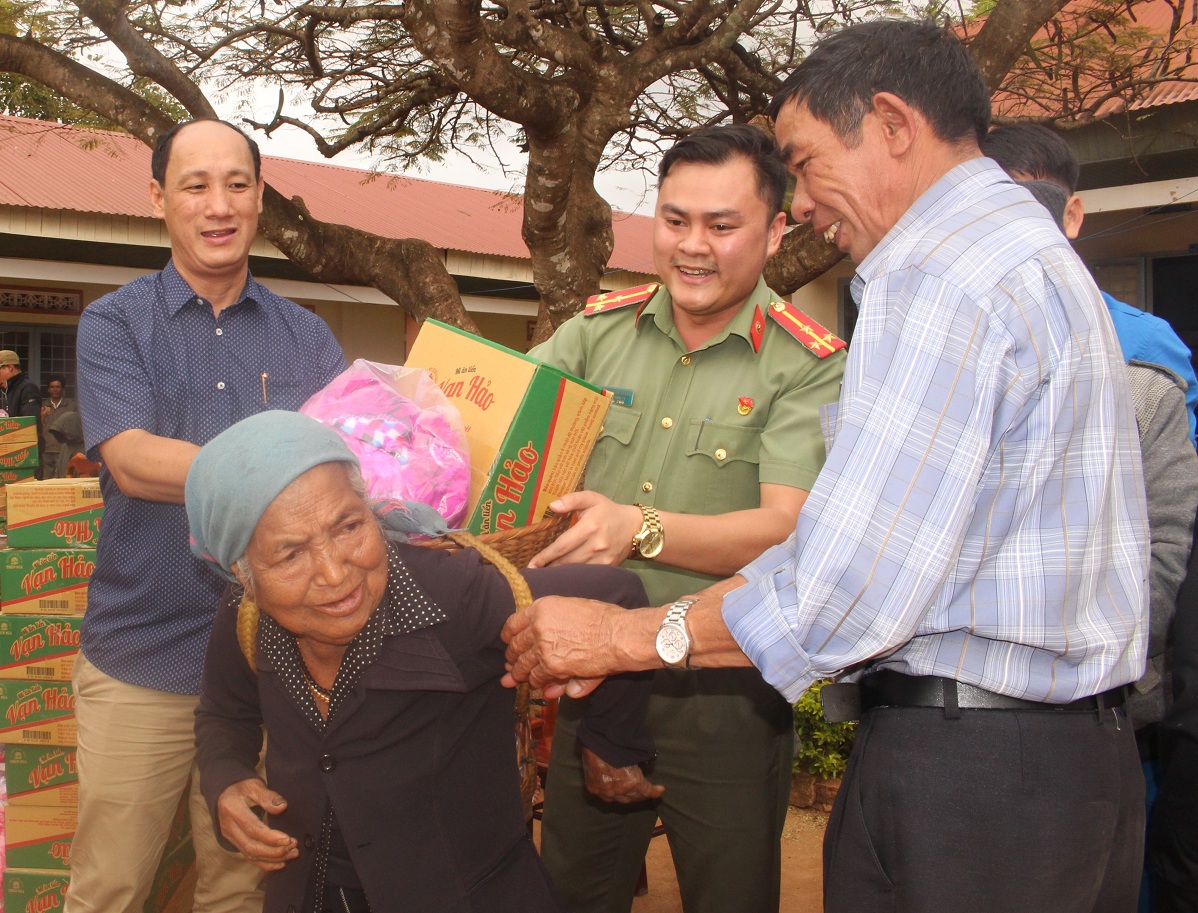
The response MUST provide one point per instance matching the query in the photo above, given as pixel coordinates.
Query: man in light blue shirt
(975, 550)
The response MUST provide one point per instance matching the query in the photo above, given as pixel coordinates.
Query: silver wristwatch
(673, 642)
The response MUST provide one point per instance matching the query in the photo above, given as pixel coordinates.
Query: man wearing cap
(18, 394)
(165, 364)
(704, 461)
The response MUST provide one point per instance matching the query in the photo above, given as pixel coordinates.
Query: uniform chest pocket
(722, 463)
(611, 447)
(619, 425)
(725, 444)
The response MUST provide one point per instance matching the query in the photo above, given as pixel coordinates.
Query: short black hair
(162, 148)
(1052, 196)
(1035, 151)
(56, 377)
(720, 144)
(920, 62)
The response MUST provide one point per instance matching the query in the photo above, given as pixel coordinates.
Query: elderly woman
(390, 760)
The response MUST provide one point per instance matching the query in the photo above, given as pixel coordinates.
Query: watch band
(649, 539)
(676, 620)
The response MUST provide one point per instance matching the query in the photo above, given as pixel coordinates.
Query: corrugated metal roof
(52, 166)
(1154, 16)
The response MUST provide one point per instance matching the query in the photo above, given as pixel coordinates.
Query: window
(43, 350)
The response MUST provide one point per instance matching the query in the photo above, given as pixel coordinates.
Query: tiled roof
(52, 166)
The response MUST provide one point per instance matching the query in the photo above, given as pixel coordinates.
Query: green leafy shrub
(821, 748)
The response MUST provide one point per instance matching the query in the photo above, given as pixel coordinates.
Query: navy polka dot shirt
(153, 356)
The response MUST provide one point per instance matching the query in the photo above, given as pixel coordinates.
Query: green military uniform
(693, 432)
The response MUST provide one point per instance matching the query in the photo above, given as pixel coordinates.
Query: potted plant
(821, 752)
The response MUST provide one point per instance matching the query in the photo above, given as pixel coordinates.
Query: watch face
(672, 644)
(650, 544)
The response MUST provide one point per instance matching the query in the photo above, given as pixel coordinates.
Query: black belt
(887, 688)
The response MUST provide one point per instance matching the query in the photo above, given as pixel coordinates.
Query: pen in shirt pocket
(265, 402)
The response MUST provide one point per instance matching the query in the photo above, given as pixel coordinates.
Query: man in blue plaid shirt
(974, 554)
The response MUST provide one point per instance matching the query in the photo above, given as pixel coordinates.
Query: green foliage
(822, 748)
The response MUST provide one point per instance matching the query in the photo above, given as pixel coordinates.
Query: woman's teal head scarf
(237, 475)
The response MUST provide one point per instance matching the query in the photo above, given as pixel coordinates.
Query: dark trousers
(725, 742)
(1003, 811)
(1174, 851)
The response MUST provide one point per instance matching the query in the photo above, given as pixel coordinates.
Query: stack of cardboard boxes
(52, 531)
(18, 454)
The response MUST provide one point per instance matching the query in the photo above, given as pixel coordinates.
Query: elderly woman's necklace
(319, 693)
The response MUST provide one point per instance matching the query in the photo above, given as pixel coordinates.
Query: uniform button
(648, 486)
(309, 843)
(667, 422)
(686, 359)
(328, 763)
(220, 332)
(220, 385)
(721, 454)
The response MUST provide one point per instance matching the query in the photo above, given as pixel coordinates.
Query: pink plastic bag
(408, 437)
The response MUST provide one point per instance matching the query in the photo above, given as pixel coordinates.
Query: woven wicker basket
(507, 551)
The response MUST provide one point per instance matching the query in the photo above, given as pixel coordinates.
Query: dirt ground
(802, 892)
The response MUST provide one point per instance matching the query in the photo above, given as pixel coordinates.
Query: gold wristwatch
(649, 539)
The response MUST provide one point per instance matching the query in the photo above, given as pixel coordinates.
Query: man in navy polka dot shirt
(165, 364)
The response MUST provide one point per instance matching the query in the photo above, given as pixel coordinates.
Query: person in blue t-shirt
(1033, 152)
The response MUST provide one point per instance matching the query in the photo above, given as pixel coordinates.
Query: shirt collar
(658, 309)
(178, 293)
(956, 188)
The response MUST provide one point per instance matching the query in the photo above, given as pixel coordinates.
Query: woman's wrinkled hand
(240, 824)
(623, 785)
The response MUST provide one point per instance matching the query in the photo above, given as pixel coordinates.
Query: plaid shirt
(981, 513)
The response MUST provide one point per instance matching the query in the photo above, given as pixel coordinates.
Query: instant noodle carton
(38, 647)
(34, 890)
(37, 713)
(54, 513)
(39, 837)
(18, 442)
(47, 581)
(7, 477)
(530, 427)
(41, 775)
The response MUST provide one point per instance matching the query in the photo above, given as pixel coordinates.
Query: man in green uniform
(705, 459)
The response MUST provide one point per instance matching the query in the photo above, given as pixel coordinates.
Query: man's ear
(157, 201)
(898, 121)
(1075, 212)
(774, 236)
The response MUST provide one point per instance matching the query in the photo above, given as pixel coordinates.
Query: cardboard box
(18, 456)
(39, 837)
(37, 713)
(54, 513)
(38, 647)
(34, 890)
(45, 581)
(18, 429)
(43, 775)
(8, 476)
(530, 427)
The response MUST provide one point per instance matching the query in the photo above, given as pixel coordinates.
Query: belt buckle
(841, 702)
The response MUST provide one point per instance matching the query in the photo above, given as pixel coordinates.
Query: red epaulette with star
(614, 301)
(815, 337)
